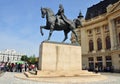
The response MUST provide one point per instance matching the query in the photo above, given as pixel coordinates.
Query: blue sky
(20, 21)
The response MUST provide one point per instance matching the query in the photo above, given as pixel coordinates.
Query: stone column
(113, 38)
(87, 41)
(103, 38)
(94, 41)
(84, 41)
(104, 61)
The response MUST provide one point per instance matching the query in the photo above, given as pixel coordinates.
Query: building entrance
(91, 64)
(99, 63)
(108, 63)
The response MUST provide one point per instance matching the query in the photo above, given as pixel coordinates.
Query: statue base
(59, 60)
(59, 57)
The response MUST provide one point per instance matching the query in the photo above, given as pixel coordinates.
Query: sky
(20, 22)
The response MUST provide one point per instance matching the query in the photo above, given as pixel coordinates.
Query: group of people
(16, 67)
(102, 69)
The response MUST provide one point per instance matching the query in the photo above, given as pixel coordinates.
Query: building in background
(99, 36)
(10, 56)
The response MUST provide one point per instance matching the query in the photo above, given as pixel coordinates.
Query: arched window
(99, 44)
(91, 47)
(108, 44)
(119, 38)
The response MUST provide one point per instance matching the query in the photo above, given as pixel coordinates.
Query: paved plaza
(9, 78)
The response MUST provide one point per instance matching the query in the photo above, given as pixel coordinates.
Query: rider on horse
(60, 15)
(51, 22)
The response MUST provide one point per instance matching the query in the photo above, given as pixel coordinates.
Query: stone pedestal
(59, 57)
(59, 60)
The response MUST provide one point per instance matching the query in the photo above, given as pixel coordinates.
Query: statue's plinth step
(50, 74)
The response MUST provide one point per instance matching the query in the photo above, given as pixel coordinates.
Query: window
(99, 63)
(91, 63)
(91, 47)
(108, 58)
(98, 30)
(90, 32)
(119, 55)
(118, 21)
(106, 28)
(119, 38)
(99, 58)
(108, 44)
(99, 44)
(90, 59)
(108, 61)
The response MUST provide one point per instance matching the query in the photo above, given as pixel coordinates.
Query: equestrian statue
(58, 22)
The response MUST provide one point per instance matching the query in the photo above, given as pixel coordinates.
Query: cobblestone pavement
(8, 78)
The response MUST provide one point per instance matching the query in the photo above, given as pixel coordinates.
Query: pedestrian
(26, 66)
(35, 69)
(96, 69)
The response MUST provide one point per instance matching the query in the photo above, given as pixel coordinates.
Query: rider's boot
(58, 21)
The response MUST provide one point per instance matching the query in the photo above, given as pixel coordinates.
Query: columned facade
(100, 38)
(10, 56)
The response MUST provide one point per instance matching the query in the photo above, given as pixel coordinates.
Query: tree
(24, 58)
(32, 59)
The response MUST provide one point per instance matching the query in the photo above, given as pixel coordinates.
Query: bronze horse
(65, 25)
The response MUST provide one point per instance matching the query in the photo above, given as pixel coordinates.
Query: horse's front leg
(51, 31)
(41, 29)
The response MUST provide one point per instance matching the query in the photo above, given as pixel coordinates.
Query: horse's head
(46, 11)
(43, 12)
